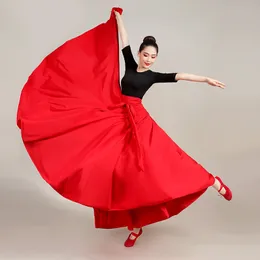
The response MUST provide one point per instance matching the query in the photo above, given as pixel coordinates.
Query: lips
(147, 64)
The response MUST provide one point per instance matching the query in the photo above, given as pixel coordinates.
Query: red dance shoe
(228, 194)
(130, 242)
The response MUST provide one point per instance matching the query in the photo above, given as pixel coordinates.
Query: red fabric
(97, 147)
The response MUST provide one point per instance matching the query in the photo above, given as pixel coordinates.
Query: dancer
(139, 78)
(95, 143)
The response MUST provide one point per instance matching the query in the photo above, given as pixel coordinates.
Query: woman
(97, 145)
(139, 78)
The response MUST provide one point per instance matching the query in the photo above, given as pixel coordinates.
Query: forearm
(122, 30)
(191, 77)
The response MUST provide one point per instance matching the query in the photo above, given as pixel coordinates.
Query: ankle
(133, 236)
(136, 230)
(134, 233)
(223, 189)
(216, 185)
(220, 188)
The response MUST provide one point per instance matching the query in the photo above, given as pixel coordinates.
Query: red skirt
(97, 147)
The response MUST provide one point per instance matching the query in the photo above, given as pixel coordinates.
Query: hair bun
(149, 39)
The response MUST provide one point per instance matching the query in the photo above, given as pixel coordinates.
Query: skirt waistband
(131, 99)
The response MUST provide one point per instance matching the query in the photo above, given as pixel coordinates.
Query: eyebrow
(151, 54)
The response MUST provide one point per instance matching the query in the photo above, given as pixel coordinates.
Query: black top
(136, 83)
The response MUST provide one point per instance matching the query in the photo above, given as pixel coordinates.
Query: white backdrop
(219, 128)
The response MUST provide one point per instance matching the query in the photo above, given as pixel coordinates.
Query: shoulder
(127, 51)
(128, 56)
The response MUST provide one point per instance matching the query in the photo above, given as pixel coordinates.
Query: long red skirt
(97, 147)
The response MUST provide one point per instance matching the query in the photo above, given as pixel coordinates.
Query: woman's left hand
(117, 14)
(215, 83)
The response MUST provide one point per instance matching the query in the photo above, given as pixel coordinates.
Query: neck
(141, 69)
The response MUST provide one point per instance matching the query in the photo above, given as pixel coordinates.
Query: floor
(36, 223)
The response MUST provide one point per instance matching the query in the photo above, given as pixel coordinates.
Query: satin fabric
(97, 147)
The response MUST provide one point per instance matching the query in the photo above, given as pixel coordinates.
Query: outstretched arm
(195, 78)
(121, 29)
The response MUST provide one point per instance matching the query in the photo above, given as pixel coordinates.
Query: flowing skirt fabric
(97, 147)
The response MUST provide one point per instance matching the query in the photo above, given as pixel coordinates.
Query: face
(147, 57)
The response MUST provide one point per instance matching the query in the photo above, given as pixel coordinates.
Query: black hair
(149, 41)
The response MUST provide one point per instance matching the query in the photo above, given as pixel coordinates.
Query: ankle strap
(221, 186)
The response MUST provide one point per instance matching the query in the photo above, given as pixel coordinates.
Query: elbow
(180, 76)
(124, 40)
